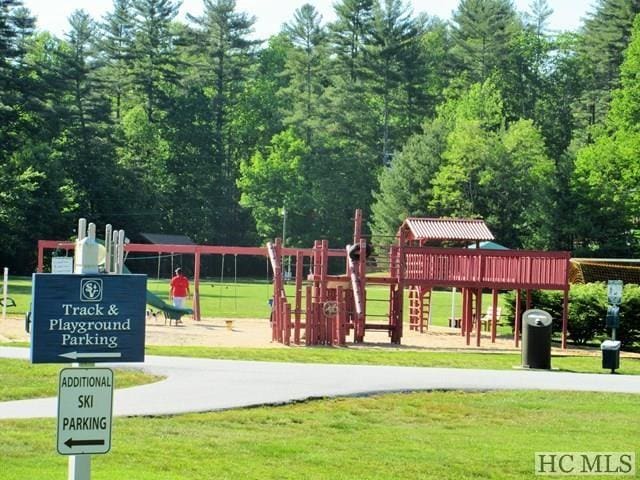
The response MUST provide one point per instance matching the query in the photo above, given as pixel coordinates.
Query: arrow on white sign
(81, 443)
(77, 355)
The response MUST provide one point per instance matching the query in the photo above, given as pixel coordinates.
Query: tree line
(195, 127)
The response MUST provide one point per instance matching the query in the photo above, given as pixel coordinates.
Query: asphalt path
(200, 385)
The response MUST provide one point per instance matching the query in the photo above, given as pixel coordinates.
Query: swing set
(326, 308)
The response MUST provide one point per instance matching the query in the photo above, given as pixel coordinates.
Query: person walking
(179, 289)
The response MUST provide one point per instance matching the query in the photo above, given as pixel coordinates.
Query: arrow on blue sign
(77, 355)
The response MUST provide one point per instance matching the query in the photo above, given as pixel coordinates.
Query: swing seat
(455, 322)
(10, 302)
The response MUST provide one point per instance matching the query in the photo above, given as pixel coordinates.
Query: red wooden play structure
(336, 305)
(325, 309)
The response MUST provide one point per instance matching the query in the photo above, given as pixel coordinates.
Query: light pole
(284, 236)
(284, 225)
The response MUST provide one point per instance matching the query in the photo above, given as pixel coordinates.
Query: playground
(432, 434)
(325, 307)
(256, 333)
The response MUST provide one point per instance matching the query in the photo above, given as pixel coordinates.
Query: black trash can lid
(610, 345)
(536, 318)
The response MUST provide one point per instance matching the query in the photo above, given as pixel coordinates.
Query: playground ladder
(418, 308)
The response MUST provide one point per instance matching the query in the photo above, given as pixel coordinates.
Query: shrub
(587, 310)
(629, 331)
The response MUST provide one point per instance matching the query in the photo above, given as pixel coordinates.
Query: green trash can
(610, 354)
(536, 339)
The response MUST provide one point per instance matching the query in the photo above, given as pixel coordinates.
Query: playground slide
(169, 310)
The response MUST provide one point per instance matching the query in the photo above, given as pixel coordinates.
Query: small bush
(629, 331)
(587, 310)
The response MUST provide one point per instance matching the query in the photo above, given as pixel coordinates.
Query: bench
(455, 322)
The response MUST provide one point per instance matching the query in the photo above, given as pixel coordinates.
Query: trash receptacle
(610, 354)
(536, 339)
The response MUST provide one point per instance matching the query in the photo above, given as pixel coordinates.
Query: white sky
(271, 14)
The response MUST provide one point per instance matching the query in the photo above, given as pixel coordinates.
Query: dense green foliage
(587, 311)
(21, 379)
(195, 127)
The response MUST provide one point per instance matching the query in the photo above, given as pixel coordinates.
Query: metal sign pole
(79, 467)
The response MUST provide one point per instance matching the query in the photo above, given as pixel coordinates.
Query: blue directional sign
(88, 318)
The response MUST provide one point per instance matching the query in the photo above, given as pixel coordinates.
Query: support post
(478, 316)
(79, 466)
(402, 272)
(469, 315)
(298, 300)
(114, 248)
(196, 285)
(108, 246)
(309, 320)
(40, 267)
(287, 323)
(463, 312)
(516, 329)
(565, 317)
(494, 312)
(340, 316)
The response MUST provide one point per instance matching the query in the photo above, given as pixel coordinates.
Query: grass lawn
(20, 379)
(249, 299)
(439, 435)
(436, 435)
(406, 358)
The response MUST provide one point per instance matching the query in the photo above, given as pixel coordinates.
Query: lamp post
(284, 237)
(284, 225)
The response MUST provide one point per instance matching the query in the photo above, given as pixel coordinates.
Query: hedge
(587, 311)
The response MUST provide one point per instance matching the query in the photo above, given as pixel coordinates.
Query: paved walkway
(199, 385)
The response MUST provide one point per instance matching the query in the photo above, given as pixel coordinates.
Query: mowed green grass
(428, 435)
(249, 299)
(19, 379)
(439, 435)
(395, 357)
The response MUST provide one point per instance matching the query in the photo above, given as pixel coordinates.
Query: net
(583, 271)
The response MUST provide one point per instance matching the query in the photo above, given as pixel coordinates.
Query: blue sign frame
(88, 318)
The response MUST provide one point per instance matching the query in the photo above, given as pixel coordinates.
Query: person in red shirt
(179, 290)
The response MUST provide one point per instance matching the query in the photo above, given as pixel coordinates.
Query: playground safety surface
(256, 333)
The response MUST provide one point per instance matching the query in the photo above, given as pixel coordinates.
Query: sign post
(84, 317)
(611, 348)
(614, 297)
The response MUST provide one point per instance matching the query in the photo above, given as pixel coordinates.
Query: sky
(52, 15)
